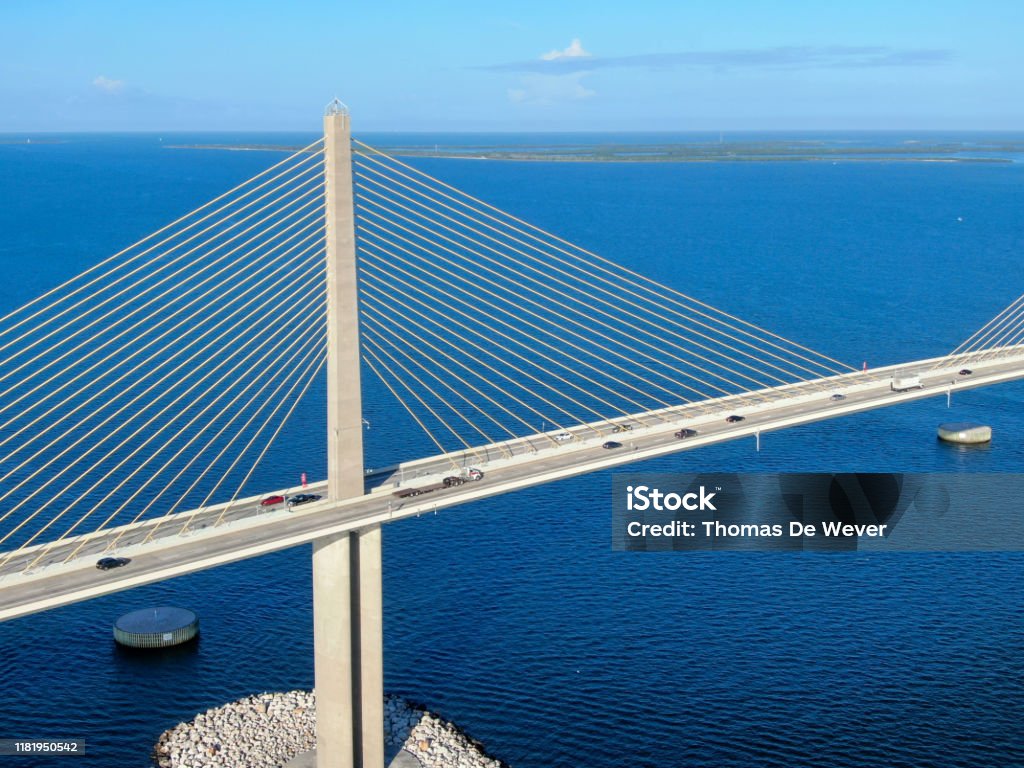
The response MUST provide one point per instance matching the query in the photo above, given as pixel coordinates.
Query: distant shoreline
(678, 153)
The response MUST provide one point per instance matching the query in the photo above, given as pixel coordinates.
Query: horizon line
(154, 131)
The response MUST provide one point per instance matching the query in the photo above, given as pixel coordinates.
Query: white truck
(904, 382)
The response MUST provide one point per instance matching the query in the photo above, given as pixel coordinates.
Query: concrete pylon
(344, 397)
(347, 598)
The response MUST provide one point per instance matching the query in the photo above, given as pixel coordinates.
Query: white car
(837, 397)
(563, 437)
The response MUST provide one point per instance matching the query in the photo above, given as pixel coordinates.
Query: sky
(730, 65)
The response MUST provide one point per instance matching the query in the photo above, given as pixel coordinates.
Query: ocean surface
(513, 616)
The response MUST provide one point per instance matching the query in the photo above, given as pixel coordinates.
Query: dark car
(682, 434)
(612, 444)
(966, 371)
(735, 418)
(303, 498)
(106, 563)
(271, 501)
(837, 397)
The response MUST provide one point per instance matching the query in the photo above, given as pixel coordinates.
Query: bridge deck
(247, 530)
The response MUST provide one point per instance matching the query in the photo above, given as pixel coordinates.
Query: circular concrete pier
(965, 433)
(156, 627)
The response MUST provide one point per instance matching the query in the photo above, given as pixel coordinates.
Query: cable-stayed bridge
(142, 399)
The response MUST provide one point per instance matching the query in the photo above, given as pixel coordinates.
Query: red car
(271, 501)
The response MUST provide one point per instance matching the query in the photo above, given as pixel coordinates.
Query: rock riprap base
(269, 729)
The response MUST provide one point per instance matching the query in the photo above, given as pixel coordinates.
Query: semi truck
(452, 481)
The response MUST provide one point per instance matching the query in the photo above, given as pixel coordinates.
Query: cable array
(155, 381)
(489, 328)
(1003, 334)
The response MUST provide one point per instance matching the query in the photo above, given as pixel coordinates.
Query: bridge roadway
(247, 529)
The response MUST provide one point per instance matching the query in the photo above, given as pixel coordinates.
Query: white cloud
(108, 85)
(549, 84)
(574, 51)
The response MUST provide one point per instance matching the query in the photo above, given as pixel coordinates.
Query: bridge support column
(332, 651)
(349, 650)
(371, 649)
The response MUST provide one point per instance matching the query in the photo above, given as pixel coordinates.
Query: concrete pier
(965, 433)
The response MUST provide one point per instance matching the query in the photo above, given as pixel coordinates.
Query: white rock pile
(263, 730)
(269, 729)
(436, 743)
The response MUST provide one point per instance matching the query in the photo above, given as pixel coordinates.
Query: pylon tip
(336, 107)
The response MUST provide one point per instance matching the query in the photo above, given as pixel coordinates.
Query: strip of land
(716, 152)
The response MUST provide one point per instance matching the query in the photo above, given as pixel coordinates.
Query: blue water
(513, 616)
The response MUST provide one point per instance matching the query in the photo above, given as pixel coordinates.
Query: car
(563, 436)
(271, 501)
(735, 418)
(966, 371)
(475, 474)
(838, 396)
(106, 563)
(612, 444)
(619, 428)
(682, 434)
(302, 498)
